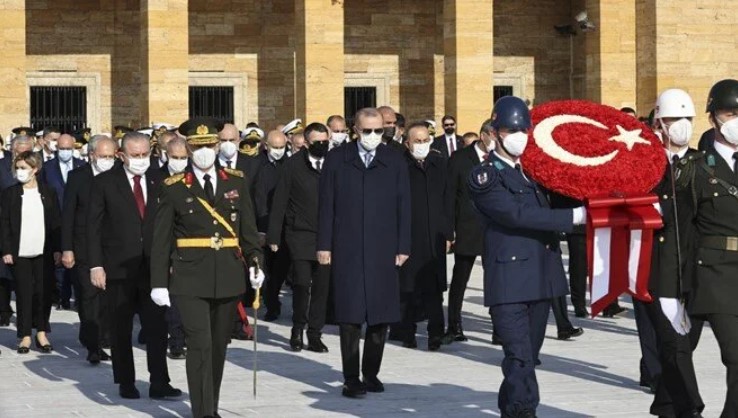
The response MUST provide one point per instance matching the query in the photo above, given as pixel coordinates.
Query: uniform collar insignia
(189, 178)
(711, 160)
(223, 175)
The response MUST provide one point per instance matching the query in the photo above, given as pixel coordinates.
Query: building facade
(102, 63)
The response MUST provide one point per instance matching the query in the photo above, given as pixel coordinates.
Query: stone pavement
(596, 375)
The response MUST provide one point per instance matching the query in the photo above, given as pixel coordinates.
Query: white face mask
(371, 141)
(228, 149)
(680, 132)
(420, 151)
(338, 138)
(729, 130)
(76, 154)
(52, 146)
(23, 175)
(203, 158)
(65, 155)
(138, 166)
(277, 154)
(515, 143)
(104, 164)
(177, 165)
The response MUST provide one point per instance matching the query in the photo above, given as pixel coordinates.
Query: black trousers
(577, 269)
(373, 350)
(277, 269)
(725, 327)
(463, 265)
(68, 284)
(175, 328)
(91, 303)
(414, 304)
(33, 293)
(677, 392)
(309, 295)
(650, 365)
(561, 315)
(207, 327)
(126, 297)
(6, 287)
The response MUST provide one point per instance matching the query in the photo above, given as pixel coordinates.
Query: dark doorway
(216, 102)
(502, 91)
(355, 98)
(61, 107)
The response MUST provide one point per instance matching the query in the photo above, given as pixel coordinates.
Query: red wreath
(631, 172)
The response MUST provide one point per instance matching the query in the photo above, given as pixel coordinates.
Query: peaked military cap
(121, 130)
(201, 130)
(294, 127)
(23, 130)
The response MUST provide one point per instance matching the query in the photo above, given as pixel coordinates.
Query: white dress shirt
(363, 153)
(200, 176)
(451, 144)
(313, 161)
(224, 162)
(681, 153)
(33, 226)
(133, 183)
(65, 169)
(726, 152)
(479, 151)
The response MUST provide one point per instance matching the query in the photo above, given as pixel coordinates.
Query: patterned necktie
(139, 196)
(209, 192)
(367, 159)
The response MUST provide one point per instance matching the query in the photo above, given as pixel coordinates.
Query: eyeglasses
(378, 131)
(449, 124)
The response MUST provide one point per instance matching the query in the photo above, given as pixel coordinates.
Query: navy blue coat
(6, 171)
(364, 220)
(522, 258)
(52, 176)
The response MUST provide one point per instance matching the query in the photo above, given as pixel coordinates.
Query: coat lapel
(126, 190)
(352, 155)
(152, 192)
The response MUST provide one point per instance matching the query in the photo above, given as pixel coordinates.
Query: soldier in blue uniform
(523, 270)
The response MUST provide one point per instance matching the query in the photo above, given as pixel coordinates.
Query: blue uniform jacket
(522, 258)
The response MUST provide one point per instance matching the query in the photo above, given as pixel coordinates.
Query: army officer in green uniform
(204, 238)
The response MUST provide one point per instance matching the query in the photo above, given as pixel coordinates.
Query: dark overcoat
(465, 220)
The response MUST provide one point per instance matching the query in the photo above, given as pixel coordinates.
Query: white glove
(160, 296)
(256, 277)
(579, 215)
(676, 314)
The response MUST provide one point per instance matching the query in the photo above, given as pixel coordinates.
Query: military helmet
(723, 95)
(512, 113)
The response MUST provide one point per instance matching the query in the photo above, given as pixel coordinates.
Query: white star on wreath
(629, 138)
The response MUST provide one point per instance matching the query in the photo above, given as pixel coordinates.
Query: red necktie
(139, 195)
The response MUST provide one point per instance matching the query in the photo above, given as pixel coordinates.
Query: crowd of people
(181, 225)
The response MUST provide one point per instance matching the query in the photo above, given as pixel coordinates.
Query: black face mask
(389, 133)
(318, 149)
(449, 131)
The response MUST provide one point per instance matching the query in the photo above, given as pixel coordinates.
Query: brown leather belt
(719, 242)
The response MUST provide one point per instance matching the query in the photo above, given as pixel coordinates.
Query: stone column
(164, 61)
(14, 96)
(320, 59)
(468, 61)
(611, 53)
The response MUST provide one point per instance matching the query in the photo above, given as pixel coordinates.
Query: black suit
(92, 306)
(441, 145)
(34, 276)
(467, 227)
(6, 180)
(119, 240)
(293, 223)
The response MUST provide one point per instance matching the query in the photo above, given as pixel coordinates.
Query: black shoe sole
(353, 394)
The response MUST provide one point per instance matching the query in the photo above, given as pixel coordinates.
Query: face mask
(76, 154)
(729, 130)
(23, 175)
(420, 151)
(489, 143)
(515, 143)
(177, 165)
(52, 146)
(680, 132)
(203, 158)
(65, 155)
(228, 149)
(389, 133)
(449, 131)
(138, 166)
(318, 149)
(338, 138)
(104, 164)
(37, 148)
(277, 154)
(371, 141)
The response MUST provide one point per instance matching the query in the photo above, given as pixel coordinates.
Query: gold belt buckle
(731, 243)
(216, 243)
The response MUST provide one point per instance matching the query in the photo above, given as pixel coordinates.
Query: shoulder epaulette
(174, 179)
(234, 172)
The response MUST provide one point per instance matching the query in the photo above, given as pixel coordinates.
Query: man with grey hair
(123, 203)
(21, 143)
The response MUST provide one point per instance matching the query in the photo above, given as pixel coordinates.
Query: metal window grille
(502, 91)
(356, 98)
(61, 107)
(216, 102)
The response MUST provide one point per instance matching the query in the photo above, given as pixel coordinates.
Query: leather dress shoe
(177, 354)
(93, 357)
(581, 312)
(434, 343)
(353, 388)
(374, 385)
(128, 391)
(45, 348)
(610, 312)
(104, 356)
(410, 343)
(522, 414)
(567, 334)
(164, 392)
(455, 333)
(296, 341)
(5, 319)
(315, 344)
(22, 349)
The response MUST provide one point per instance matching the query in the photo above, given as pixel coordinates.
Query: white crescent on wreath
(543, 136)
